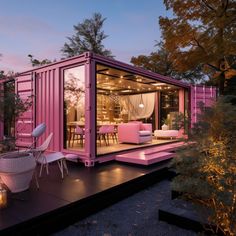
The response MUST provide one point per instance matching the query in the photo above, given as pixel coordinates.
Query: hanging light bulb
(141, 105)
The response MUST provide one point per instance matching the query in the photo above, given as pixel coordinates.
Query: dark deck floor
(84, 191)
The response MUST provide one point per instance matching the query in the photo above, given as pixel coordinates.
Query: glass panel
(74, 108)
(169, 106)
(125, 98)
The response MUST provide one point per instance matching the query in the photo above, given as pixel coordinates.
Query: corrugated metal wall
(1, 122)
(25, 123)
(48, 106)
(201, 93)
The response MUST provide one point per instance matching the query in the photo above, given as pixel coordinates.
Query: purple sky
(40, 27)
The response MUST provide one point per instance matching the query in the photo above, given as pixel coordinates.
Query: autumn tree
(160, 62)
(88, 37)
(201, 32)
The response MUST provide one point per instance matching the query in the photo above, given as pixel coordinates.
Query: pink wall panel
(1, 123)
(48, 106)
(181, 100)
(25, 123)
(201, 93)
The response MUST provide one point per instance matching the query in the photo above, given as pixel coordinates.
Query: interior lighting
(141, 105)
(158, 84)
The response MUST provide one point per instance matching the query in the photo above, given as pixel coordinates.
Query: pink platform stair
(151, 155)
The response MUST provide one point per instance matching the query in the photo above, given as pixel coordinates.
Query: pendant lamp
(141, 105)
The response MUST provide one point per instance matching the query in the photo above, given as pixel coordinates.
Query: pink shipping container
(89, 91)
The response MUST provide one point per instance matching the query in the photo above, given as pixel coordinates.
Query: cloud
(14, 62)
(125, 55)
(21, 25)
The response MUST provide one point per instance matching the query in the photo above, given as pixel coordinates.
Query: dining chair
(79, 133)
(102, 134)
(111, 131)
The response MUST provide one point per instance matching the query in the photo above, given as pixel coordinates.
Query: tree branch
(208, 6)
(224, 6)
(214, 67)
(199, 45)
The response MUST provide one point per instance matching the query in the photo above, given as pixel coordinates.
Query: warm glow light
(158, 84)
(3, 198)
(141, 105)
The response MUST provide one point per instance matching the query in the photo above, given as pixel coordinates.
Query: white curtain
(130, 105)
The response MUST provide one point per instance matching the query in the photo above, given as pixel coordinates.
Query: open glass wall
(74, 108)
(124, 98)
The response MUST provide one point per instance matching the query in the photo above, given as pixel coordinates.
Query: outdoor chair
(45, 159)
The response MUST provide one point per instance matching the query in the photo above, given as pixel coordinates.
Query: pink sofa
(135, 132)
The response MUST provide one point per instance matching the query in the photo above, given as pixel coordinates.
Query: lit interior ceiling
(121, 82)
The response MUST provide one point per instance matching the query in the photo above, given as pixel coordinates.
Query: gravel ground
(136, 215)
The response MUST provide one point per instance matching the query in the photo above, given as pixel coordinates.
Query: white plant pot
(164, 127)
(16, 172)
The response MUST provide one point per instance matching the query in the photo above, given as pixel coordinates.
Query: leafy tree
(11, 104)
(207, 168)
(201, 32)
(36, 62)
(88, 37)
(160, 62)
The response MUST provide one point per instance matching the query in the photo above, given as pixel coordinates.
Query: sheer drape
(130, 105)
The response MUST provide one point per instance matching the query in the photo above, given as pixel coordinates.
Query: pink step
(166, 147)
(141, 158)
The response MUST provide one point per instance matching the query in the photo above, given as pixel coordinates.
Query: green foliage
(179, 121)
(88, 37)
(207, 169)
(11, 104)
(201, 33)
(36, 62)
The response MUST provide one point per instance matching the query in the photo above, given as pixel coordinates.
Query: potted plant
(16, 167)
(12, 105)
(166, 123)
(16, 170)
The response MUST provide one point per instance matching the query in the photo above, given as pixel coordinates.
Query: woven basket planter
(16, 170)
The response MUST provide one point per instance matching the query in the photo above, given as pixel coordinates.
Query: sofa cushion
(144, 133)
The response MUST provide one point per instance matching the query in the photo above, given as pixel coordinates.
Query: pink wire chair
(79, 132)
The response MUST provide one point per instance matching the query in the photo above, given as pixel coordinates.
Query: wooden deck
(148, 156)
(59, 203)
